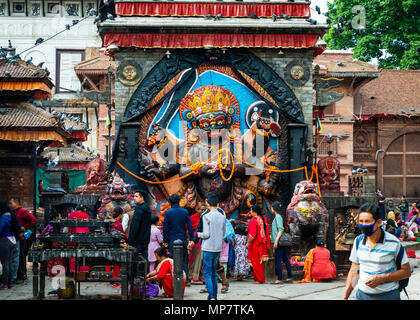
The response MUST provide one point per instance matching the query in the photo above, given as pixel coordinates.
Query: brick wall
(17, 182)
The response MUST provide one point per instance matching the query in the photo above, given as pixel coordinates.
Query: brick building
(338, 119)
(386, 138)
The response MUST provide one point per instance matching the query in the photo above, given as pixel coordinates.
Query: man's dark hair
(403, 196)
(372, 209)
(141, 192)
(320, 243)
(161, 252)
(117, 212)
(174, 199)
(39, 182)
(212, 199)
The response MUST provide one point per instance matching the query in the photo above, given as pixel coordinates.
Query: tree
(391, 32)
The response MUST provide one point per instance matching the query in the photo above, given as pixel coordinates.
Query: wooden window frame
(58, 53)
(404, 175)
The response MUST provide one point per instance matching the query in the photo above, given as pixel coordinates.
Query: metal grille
(323, 146)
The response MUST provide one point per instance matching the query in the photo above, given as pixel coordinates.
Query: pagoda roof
(158, 24)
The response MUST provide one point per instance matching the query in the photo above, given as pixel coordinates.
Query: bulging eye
(270, 111)
(255, 109)
(220, 122)
(205, 124)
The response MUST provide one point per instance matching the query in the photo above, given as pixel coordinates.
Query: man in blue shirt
(176, 221)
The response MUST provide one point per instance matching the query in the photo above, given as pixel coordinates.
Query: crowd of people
(215, 248)
(403, 220)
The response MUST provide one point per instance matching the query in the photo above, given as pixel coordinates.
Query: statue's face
(212, 123)
(129, 72)
(297, 72)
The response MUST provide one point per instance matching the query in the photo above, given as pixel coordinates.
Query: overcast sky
(323, 6)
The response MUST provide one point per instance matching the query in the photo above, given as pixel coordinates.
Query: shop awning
(193, 9)
(41, 89)
(27, 135)
(200, 40)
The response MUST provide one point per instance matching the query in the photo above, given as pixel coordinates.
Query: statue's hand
(154, 138)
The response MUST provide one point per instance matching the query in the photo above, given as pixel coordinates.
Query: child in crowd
(156, 240)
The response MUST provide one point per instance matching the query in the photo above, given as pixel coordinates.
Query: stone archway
(401, 170)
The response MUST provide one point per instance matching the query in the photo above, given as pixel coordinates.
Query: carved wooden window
(401, 167)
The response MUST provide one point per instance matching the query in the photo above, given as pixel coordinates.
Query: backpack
(402, 284)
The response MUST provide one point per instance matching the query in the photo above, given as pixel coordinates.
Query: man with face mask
(374, 260)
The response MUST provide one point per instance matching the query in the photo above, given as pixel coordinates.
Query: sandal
(225, 288)
(203, 291)
(277, 282)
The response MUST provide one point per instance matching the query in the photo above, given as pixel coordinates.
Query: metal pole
(178, 270)
(331, 234)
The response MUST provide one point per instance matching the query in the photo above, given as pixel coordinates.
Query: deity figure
(215, 156)
(329, 173)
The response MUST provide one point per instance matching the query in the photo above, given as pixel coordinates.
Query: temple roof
(21, 71)
(71, 153)
(22, 121)
(197, 24)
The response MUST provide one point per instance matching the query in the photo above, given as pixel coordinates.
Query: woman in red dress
(258, 243)
(164, 272)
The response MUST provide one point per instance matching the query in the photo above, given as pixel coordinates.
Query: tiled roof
(20, 71)
(24, 114)
(97, 63)
(74, 125)
(394, 92)
(329, 60)
(72, 153)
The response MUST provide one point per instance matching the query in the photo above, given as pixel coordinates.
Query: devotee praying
(164, 272)
(318, 266)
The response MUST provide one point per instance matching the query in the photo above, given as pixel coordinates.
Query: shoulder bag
(285, 240)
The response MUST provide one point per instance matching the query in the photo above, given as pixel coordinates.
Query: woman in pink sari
(258, 243)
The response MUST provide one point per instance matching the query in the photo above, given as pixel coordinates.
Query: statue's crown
(209, 102)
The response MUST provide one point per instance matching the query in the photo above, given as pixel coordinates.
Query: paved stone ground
(238, 290)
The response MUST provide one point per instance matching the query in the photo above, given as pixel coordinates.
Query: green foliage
(390, 26)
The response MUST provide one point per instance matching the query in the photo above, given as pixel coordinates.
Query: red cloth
(40, 190)
(258, 248)
(165, 275)
(25, 218)
(78, 135)
(118, 226)
(322, 267)
(79, 215)
(195, 219)
(194, 9)
(219, 40)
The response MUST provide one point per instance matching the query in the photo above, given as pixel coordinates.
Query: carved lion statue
(307, 217)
